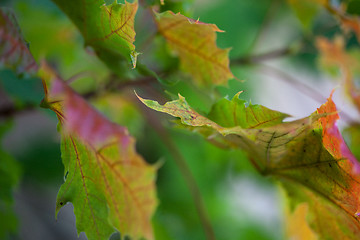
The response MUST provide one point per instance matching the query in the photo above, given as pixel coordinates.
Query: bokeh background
(241, 203)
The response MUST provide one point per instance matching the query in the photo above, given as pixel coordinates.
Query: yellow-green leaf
(308, 156)
(109, 29)
(109, 184)
(195, 44)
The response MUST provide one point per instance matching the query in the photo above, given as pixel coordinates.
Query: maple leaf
(109, 184)
(334, 54)
(308, 156)
(195, 43)
(109, 29)
(14, 50)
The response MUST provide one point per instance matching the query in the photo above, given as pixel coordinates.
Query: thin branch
(274, 54)
(114, 85)
(186, 173)
(265, 24)
(11, 110)
(301, 87)
(287, 78)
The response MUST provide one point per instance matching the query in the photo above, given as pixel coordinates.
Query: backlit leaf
(14, 51)
(308, 156)
(195, 44)
(108, 29)
(109, 184)
(235, 113)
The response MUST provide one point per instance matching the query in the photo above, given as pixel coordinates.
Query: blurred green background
(241, 203)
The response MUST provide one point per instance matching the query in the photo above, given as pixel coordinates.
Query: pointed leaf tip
(109, 184)
(307, 156)
(195, 44)
(332, 139)
(108, 29)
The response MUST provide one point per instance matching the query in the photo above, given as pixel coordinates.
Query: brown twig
(274, 54)
(10, 110)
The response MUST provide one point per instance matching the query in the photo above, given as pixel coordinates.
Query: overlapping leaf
(109, 184)
(14, 51)
(109, 29)
(308, 156)
(195, 44)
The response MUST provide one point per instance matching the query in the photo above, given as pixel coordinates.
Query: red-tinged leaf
(109, 184)
(14, 52)
(308, 156)
(332, 139)
(109, 29)
(195, 44)
(334, 54)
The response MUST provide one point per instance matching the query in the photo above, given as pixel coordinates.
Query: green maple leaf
(109, 184)
(108, 29)
(195, 44)
(14, 51)
(308, 156)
